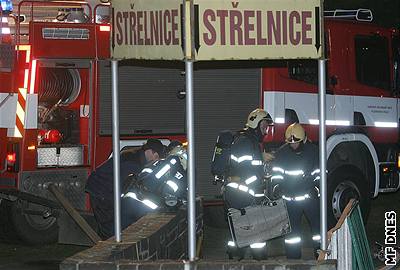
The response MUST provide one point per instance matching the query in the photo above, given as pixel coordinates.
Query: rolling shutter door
(148, 100)
(223, 98)
(149, 106)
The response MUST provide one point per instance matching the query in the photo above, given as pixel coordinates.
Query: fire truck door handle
(181, 94)
(333, 80)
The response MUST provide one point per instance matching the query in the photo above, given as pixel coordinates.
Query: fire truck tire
(33, 229)
(7, 232)
(344, 184)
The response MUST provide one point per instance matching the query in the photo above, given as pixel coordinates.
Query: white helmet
(256, 116)
(180, 151)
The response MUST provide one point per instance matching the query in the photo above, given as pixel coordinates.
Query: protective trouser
(104, 215)
(131, 211)
(236, 198)
(293, 241)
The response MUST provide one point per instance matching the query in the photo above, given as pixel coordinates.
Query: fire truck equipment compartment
(59, 156)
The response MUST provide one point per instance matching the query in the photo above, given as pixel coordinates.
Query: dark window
(304, 70)
(372, 61)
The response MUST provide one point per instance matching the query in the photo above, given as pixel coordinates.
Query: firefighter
(245, 179)
(163, 182)
(295, 177)
(100, 186)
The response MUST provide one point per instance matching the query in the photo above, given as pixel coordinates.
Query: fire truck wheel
(7, 232)
(33, 229)
(345, 184)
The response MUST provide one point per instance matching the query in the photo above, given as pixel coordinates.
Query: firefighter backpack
(221, 158)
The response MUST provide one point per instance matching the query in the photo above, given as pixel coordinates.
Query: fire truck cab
(362, 106)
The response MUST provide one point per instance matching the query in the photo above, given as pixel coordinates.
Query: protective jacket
(296, 172)
(163, 182)
(100, 182)
(100, 186)
(296, 175)
(246, 170)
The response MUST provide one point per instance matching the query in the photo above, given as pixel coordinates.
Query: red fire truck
(55, 110)
(362, 106)
(55, 114)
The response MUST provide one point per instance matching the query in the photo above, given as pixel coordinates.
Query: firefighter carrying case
(258, 223)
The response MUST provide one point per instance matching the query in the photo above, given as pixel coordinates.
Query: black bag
(258, 223)
(222, 152)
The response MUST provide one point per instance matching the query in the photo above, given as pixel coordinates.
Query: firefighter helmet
(256, 116)
(295, 133)
(181, 153)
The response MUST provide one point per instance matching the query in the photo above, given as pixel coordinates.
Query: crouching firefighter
(239, 162)
(101, 190)
(161, 185)
(295, 177)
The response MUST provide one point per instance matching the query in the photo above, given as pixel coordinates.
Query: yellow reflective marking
(23, 47)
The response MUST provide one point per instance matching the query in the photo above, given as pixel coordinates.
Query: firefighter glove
(267, 157)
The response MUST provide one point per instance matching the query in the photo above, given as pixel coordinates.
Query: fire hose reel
(58, 86)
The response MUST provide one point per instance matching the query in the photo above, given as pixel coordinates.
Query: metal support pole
(115, 137)
(191, 197)
(191, 159)
(322, 152)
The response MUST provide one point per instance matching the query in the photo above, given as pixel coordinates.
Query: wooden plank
(80, 221)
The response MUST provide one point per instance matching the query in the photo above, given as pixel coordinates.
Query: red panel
(10, 177)
(277, 79)
(383, 135)
(342, 60)
(29, 156)
(62, 48)
(103, 149)
(3, 146)
(103, 43)
(5, 85)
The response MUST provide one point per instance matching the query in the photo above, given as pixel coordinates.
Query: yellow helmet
(295, 133)
(256, 116)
